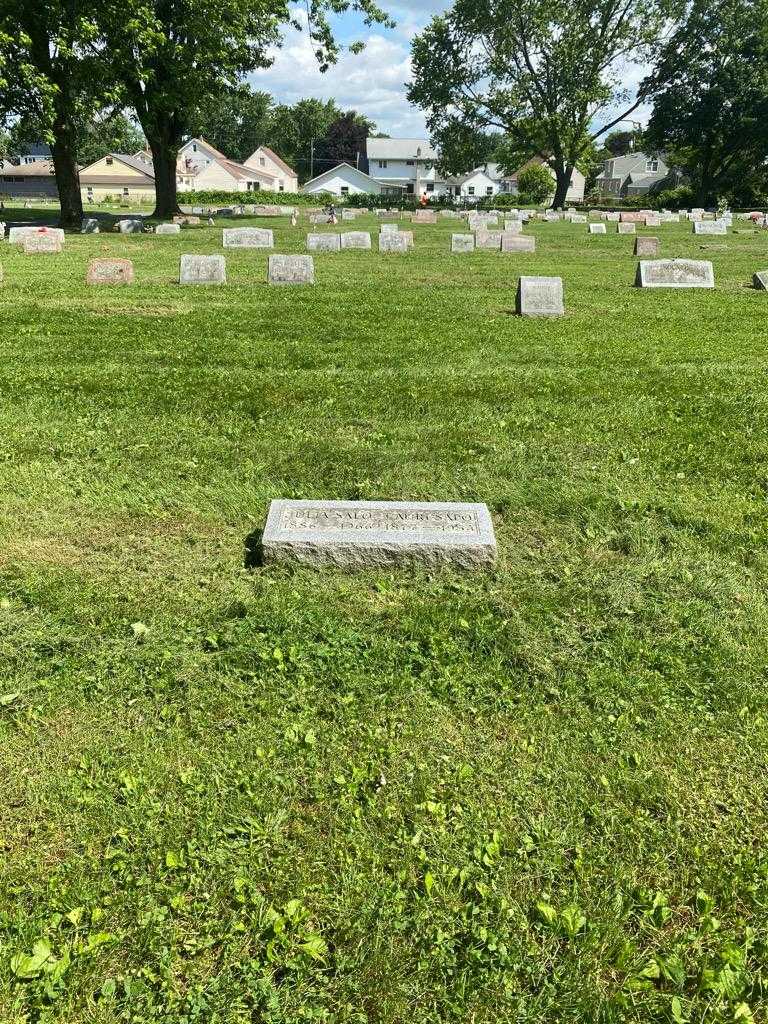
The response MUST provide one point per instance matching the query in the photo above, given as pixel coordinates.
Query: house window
(281, 186)
(429, 187)
(344, 190)
(409, 163)
(89, 190)
(409, 189)
(262, 162)
(126, 192)
(471, 190)
(109, 161)
(194, 147)
(382, 163)
(489, 190)
(651, 165)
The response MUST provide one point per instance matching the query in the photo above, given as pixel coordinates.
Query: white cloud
(372, 82)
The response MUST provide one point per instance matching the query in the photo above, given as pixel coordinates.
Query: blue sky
(374, 81)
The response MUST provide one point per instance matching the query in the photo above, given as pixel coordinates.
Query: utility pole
(311, 159)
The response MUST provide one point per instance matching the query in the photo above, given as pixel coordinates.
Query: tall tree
(540, 71)
(711, 102)
(173, 53)
(235, 122)
(54, 80)
(295, 129)
(345, 141)
(108, 132)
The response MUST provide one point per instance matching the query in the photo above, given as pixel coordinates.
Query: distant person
(294, 219)
(424, 201)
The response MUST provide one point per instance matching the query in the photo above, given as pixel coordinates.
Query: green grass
(273, 795)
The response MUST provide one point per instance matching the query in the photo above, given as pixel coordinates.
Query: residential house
(345, 180)
(476, 184)
(633, 174)
(25, 181)
(266, 161)
(407, 164)
(37, 152)
(123, 177)
(507, 183)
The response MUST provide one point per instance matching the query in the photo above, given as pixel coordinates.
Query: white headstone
(202, 270)
(248, 238)
(517, 243)
(597, 229)
(324, 242)
(168, 229)
(291, 270)
(393, 241)
(675, 274)
(710, 227)
(540, 296)
(355, 240)
(462, 243)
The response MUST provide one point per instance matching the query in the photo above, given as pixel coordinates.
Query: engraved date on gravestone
(359, 534)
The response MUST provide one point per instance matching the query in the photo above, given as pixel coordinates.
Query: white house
(508, 182)
(477, 183)
(346, 180)
(266, 161)
(408, 164)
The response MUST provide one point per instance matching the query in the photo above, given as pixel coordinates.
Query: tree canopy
(711, 95)
(542, 72)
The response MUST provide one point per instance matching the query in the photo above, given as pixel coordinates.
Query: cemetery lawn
(240, 794)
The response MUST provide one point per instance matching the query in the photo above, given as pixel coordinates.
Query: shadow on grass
(254, 551)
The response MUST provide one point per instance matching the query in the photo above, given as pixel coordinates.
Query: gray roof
(400, 149)
(135, 163)
(461, 179)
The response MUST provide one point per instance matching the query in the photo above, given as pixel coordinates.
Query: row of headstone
(503, 241)
(328, 241)
(282, 270)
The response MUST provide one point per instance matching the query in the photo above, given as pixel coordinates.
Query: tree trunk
(563, 176)
(165, 153)
(67, 177)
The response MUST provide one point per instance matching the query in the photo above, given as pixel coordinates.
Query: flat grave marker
(365, 534)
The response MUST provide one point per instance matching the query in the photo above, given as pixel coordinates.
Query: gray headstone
(517, 243)
(597, 229)
(612, 216)
(248, 238)
(540, 296)
(625, 228)
(652, 220)
(186, 220)
(710, 227)
(424, 217)
(348, 214)
(578, 218)
(760, 280)
(393, 241)
(130, 226)
(168, 229)
(462, 243)
(388, 228)
(90, 226)
(325, 242)
(675, 274)
(291, 270)
(363, 534)
(202, 270)
(16, 236)
(109, 271)
(513, 227)
(355, 240)
(485, 239)
(646, 245)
